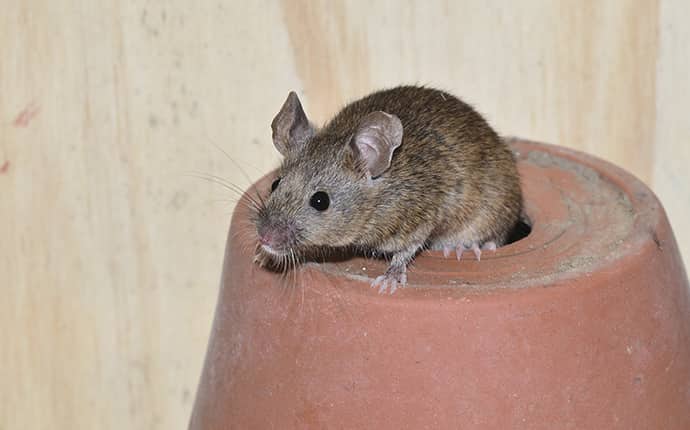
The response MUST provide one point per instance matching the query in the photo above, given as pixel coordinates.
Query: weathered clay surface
(584, 324)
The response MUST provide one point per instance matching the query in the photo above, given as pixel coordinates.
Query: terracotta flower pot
(583, 324)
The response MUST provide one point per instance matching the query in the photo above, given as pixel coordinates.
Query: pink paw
(467, 245)
(393, 279)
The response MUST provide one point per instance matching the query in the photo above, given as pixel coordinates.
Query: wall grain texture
(111, 244)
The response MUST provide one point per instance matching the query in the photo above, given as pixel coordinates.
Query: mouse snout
(272, 239)
(274, 236)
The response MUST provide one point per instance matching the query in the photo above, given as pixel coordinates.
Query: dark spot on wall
(153, 121)
(178, 200)
(152, 31)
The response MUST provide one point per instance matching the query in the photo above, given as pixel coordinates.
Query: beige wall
(111, 248)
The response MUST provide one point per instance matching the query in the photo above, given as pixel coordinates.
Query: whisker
(250, 181)
(231, 159)
(217, 180)
(229, 186)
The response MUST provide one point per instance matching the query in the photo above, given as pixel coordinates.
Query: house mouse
(396, 172)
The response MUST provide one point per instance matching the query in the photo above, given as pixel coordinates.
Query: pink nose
(272, 238)
(266, 239)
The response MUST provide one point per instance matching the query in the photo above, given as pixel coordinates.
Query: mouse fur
(403, 169)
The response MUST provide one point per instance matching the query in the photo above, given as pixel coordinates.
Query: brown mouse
(396, 172)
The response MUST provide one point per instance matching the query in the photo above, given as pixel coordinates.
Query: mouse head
(325, 178)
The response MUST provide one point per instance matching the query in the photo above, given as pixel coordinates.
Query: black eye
(320, 201)
(274, 185)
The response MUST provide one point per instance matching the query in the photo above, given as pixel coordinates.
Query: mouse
(393, 173)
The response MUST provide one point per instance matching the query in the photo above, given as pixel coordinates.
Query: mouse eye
(320, 201)
(274, 185)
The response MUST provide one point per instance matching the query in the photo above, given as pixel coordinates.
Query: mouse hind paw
(467, 245)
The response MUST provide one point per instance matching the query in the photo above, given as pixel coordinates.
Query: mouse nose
(265, 239)
(273, 237)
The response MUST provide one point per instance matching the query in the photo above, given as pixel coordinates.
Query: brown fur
(451, 179)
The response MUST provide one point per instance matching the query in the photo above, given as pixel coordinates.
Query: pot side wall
(607, 347)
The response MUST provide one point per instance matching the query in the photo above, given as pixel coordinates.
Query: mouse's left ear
(376, 138)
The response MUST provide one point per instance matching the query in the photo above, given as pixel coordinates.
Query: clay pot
(583, 324)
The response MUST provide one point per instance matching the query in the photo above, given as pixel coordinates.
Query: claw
(459, 250)
(383, 285)
(466, 245)
(391, 280)
(477, 251)
(446, 251)
(378, 281)
(394, 286)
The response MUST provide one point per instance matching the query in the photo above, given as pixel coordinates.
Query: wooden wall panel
(111, 246)
(671, 160)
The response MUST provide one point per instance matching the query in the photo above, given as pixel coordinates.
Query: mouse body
(396, 172)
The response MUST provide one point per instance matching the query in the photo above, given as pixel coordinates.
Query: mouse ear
(375, 140)
(291, 127)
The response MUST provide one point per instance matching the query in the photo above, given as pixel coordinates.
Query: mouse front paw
(394, 278)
